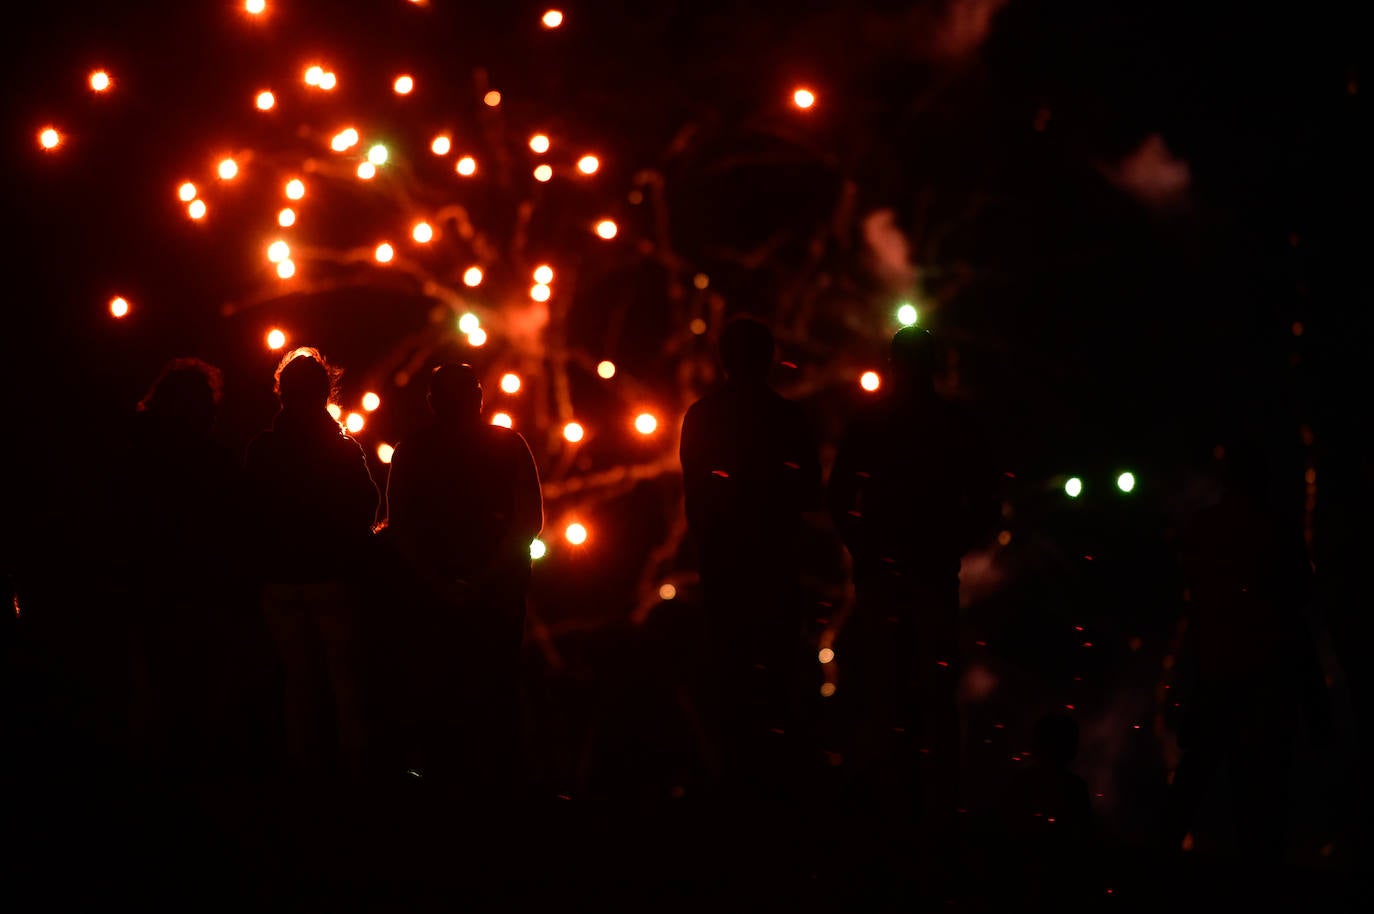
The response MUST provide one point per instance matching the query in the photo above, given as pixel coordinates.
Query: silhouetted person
(1249, 672)
(911, 491)
(750, 470)
(175, 523)
(314, 505)
(463, 505)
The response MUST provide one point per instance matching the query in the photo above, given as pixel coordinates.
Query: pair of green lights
(1073, 486)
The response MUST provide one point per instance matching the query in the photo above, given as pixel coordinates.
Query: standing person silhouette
(750, 470)
(911, 491)
(314, 504)
(176, 524)
(463, 506)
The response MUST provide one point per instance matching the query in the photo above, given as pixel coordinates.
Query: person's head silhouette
(304, 380)
(746, 349)
(185, 396)
(455, 393)
(913, 357)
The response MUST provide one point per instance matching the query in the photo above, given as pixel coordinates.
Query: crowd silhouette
(361, 648)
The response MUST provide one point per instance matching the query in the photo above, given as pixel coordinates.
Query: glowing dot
(502, 419)
(552, 19)
(468, 322)
(667, 592)
(906, 315)
(870, 381)
(286, 218)
(334, 411)
(606, 229)
(472, 277)
(186, 192)
(826, 655)
(196, 209)
(276, 339)
(377, 155)
(384, 253)
(440, 145)
(576, 534)
(1125, 482)
(540, 292)
(367, 171)
(645, 423)
(1004, 538)
(537, 548)
(804, 98)
(265, 100)
(384, 452)
(539, 143)
(100, 81)
(492, 98)
(278, 251)
(49, 138)
(1073, 487)
(606, 369)
(827, 689)
(588, 164)
(354, 422)
(403, 85)
(543, 173)
(467, 166)
(701, 280)
(697, 326)
(510, 382)
(119, 306)
(328, 81)
(543, 273)
(228, 168)
(423, 232)
(573, 432)
(477, 337)
(255, 6)
(295, 189)
(286, 269)
(344, 139)
(371, 401)
(314, 75)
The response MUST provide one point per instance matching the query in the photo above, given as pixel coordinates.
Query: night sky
(1119, 213)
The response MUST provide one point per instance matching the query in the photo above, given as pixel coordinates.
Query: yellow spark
(278, 251)
(472, 277)
(186, 192)
(384, 253)
(667, 592)
(467, 166)
(196, 209)
(870, 381)
(286, 218)
(313, 75)
(286, 269)
(646, 424)
(334, 411)
(371, 401)
(606, 369)
(255, 7)
(468, 323)
(354, 422)
(502, 419)
(265, 100)
(510, 382)
(295, 189)
(552, 19)
(423, 232)
(803, 98)
(228, 169)
(100, 81)
(537, 549)
(543, 273)
(606, 229)
(539, 143)
(119, 306)
(477, 337)
(328, 81)
(367, 171)
(540, 292)
(826, 655)
(403, 85)
(576, 534)
(377, 154)
(543, 173)
(384, 452)
(344, 139)
(588, 164)
(276, 339)
(574, 432)
(441, 145)
(492, 98)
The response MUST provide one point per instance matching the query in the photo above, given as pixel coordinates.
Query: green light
(1125, 482)
(1073, 487)
(537, 549)
(377, 155)
(906, 314)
